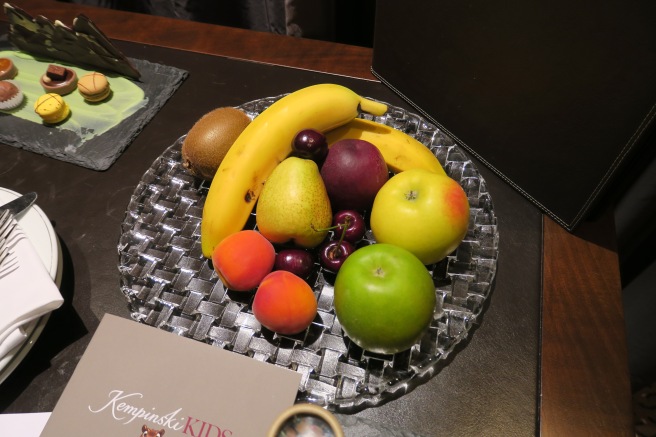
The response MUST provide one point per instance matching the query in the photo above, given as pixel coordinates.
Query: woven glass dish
(170, 285)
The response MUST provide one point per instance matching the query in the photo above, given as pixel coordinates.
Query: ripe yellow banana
(400, 150)
(265, 142)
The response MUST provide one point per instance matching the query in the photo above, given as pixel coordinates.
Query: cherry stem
(337, 249)
(344, 227)
(330, 228)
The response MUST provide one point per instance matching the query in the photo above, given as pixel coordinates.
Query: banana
(401, 151)
(265, 142)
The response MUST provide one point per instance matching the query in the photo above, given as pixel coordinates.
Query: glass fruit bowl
(170, 285)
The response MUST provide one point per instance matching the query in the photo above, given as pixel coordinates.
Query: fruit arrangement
(169, 284)
(266, 142)
(311, 170)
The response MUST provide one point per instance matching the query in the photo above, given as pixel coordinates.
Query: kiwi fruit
(210, 138)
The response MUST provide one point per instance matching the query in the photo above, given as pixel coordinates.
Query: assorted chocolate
(7, 69)
(10, 95)
(59, 80)
(83, 44)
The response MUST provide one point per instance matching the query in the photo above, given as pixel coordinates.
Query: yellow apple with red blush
(423, 212)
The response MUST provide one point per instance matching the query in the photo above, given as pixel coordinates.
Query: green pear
(294, 206)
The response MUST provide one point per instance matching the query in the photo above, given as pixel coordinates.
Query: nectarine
(284, 303)
(243, 259)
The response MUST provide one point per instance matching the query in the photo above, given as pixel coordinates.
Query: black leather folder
(558, 97)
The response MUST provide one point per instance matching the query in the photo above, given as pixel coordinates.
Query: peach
(284, 303)
(243, 259)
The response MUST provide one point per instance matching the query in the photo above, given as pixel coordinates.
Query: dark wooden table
(584, 379)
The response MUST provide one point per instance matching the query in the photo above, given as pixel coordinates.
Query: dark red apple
(353, 172)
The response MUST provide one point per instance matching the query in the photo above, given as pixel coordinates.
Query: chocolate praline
(11, 95)
(8, 69)
(59, 85)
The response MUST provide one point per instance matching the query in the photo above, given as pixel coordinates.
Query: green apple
(424, 212)
(384, 298)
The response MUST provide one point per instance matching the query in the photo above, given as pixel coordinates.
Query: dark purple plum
(353, 172)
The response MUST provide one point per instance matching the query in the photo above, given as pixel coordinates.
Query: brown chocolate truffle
(8, 69)
(59, 80)
(10, 95)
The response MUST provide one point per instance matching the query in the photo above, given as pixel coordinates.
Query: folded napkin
(27, 292)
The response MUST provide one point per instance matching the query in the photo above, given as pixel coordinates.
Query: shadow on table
(64, 328)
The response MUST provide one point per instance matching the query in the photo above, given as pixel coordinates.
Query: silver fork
(7, 256)
(7, 223)
(7, 262)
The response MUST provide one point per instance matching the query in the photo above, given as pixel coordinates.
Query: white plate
(37, 227)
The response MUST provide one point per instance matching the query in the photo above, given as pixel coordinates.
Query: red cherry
(310, 144)
(297, 261)
(354, 223)
(333, 254)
